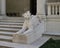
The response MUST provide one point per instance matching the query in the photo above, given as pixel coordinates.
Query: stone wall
(53, 24)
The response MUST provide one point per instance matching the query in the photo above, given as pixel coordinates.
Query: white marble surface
(35, 44)
(52, 33)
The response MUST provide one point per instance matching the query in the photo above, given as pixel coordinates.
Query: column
(53, 9)
(0, 6)
(3, 7)
(41, 7)
(49, 9)
(59, 9)
(56, 9)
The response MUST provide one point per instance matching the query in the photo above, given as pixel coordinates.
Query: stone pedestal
(19, 38)
(53, 23)
(29, 37)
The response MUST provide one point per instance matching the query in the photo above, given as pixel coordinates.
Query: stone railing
(53, 8)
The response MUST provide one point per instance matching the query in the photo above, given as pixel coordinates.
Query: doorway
(33, 7)
(17, 7)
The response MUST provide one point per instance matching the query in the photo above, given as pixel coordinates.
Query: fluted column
(53, 9)
(3, 7)
(59, 9)
(49, 9)
(56, 9)
(41, 7)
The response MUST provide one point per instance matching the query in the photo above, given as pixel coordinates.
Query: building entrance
(17, 7)
(33, 7)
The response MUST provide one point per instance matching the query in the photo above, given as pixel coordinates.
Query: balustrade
(53, 9)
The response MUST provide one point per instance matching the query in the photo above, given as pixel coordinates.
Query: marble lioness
(30, 31)
(31, 21)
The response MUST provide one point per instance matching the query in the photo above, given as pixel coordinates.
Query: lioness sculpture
(30, 31)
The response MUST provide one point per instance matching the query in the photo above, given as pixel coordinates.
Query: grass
(51, 44)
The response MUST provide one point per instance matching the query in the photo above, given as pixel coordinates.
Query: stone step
(14, 18)
(5, 38)
(35, 44)
(39, 42)
(6, 33)
(9, 29)
(15, 45)
(10, 26)
(13, 21)
(8, 23)
(6, 17)
(52, 33)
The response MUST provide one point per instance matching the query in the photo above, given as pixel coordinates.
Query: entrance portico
(40, 7)
(52, 8)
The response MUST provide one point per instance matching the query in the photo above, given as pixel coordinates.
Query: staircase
(9, 26)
